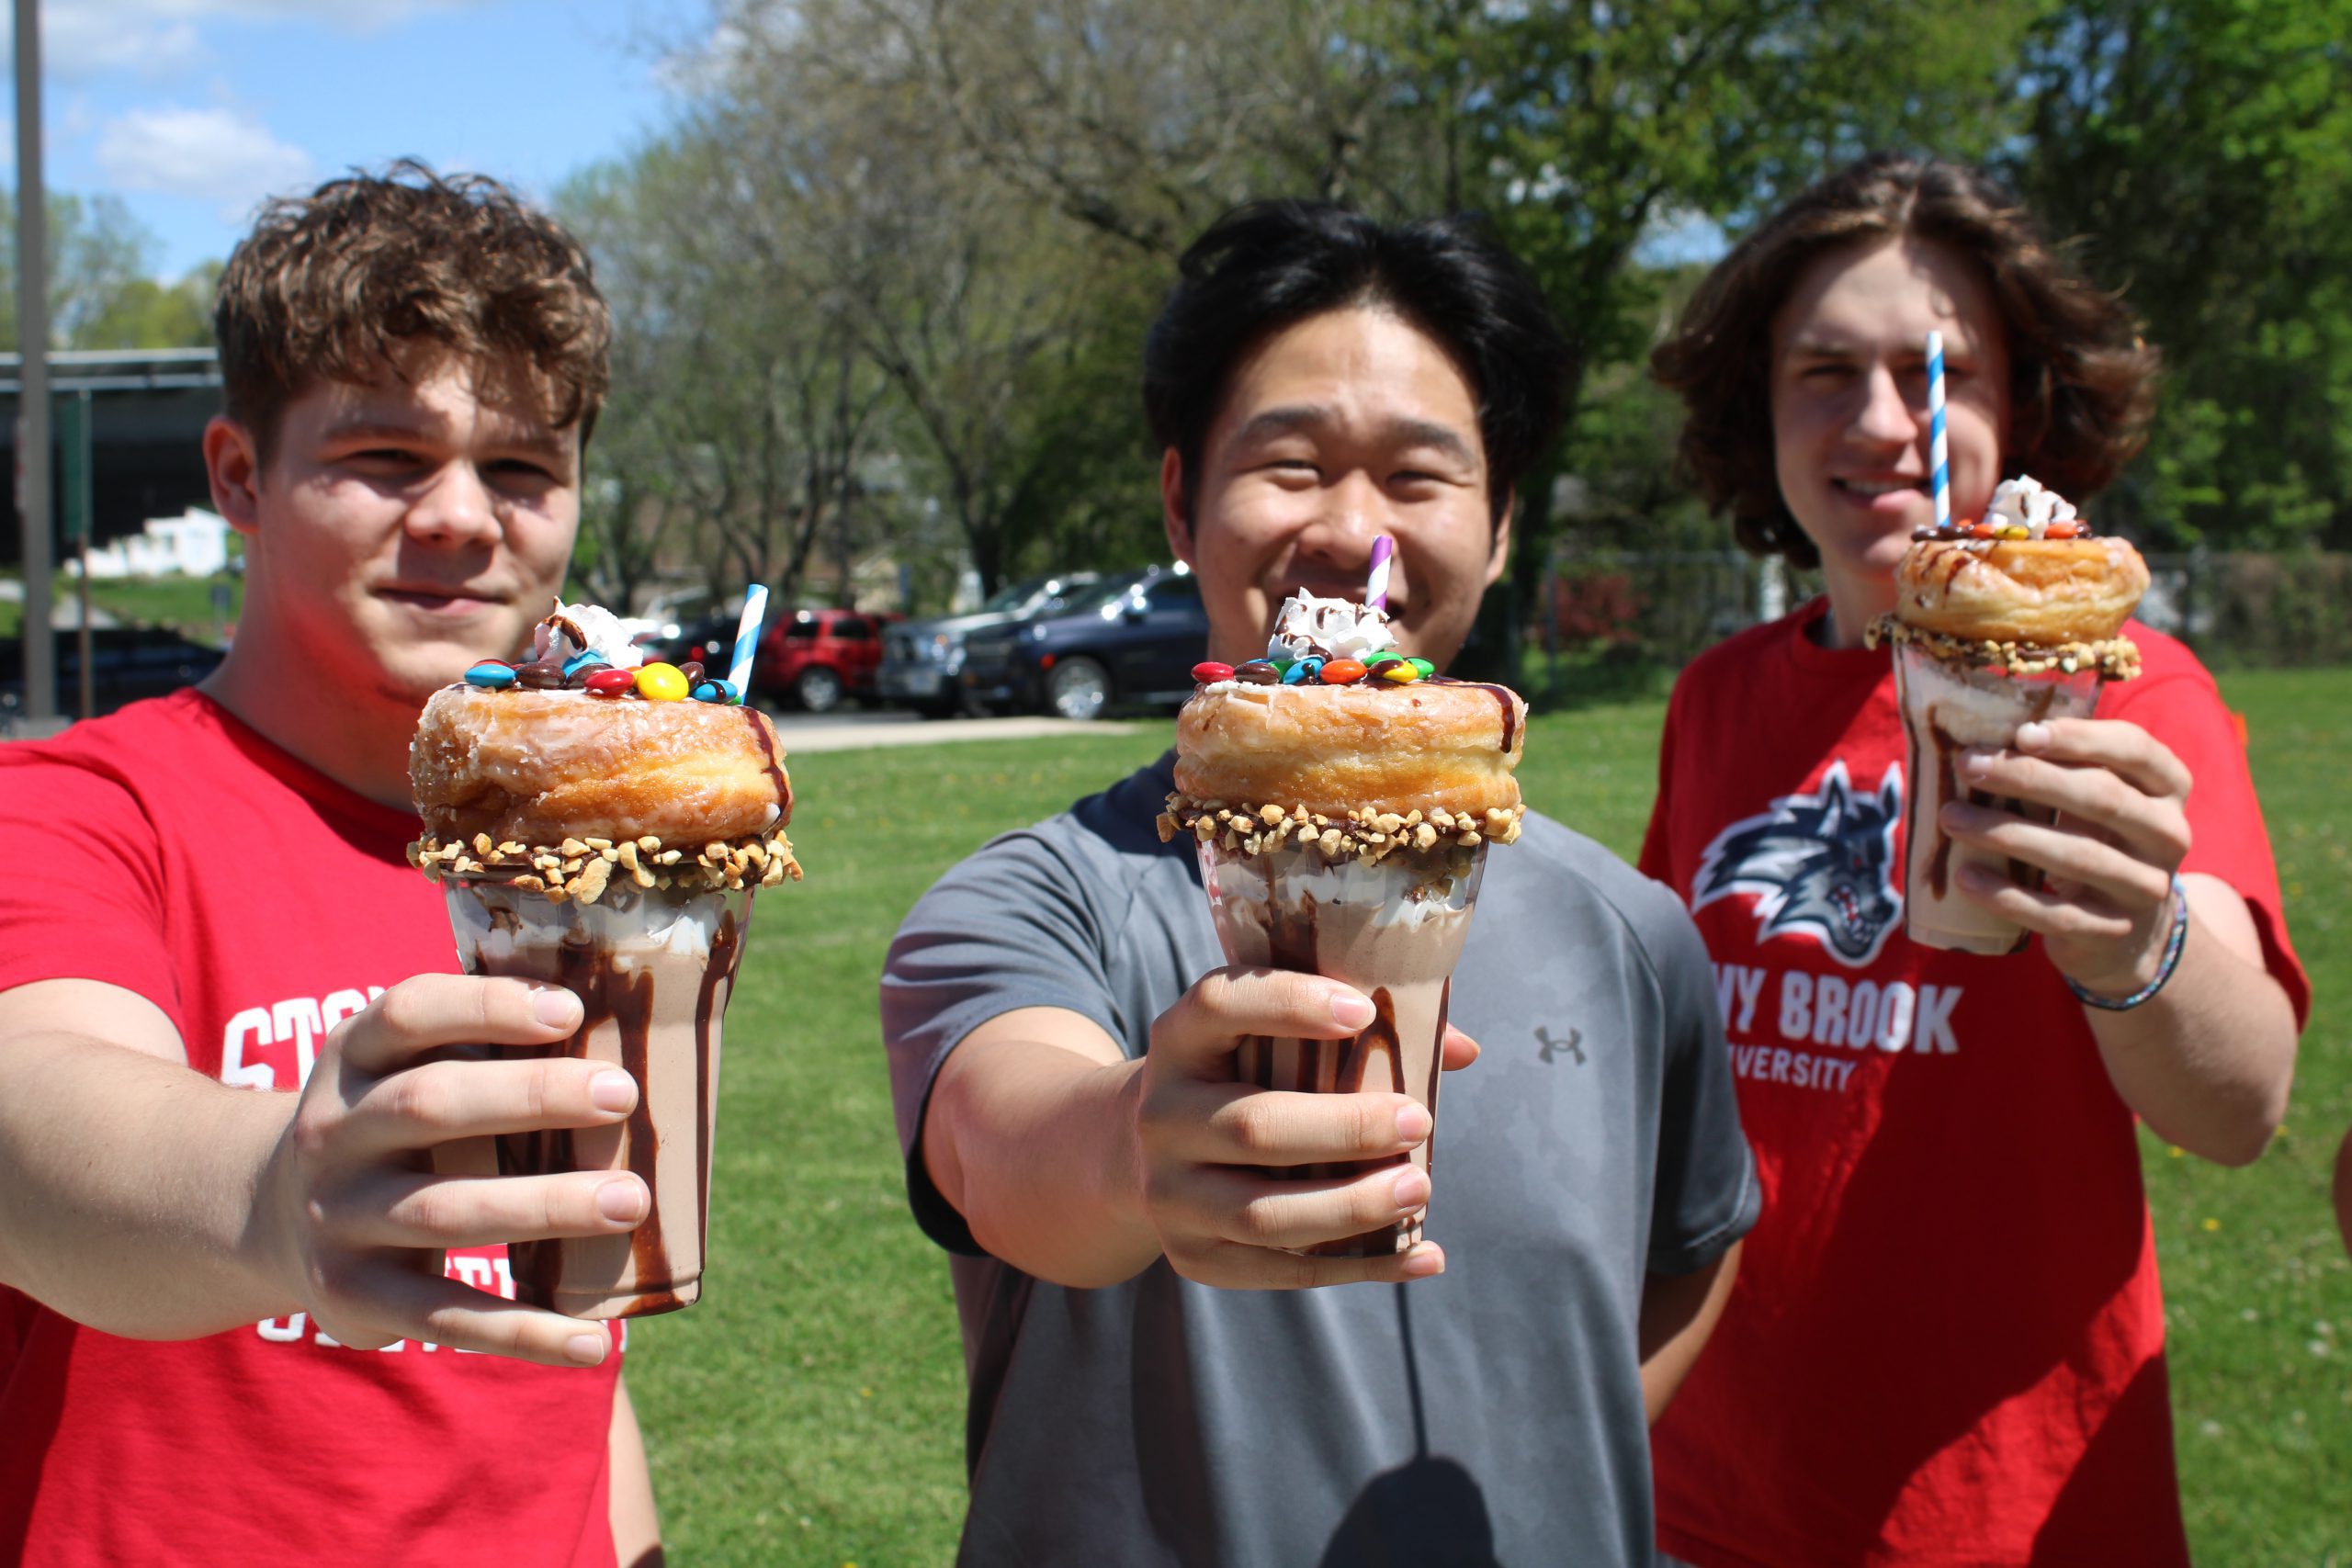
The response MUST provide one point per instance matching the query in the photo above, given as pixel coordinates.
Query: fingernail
(1412, 1190)
(2032, 737)
(1424, 1262)
(611, 1091)
(1350, 1011)
(586, 1350)
(555, 1007)
(1413, 1123)
(1973, 763)
(621, 1201)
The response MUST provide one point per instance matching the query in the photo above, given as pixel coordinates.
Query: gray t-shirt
(1490, 1416)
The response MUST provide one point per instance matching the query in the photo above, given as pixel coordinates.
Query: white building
(193, 545)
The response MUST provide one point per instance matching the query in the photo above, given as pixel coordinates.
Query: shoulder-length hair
(2082, 381)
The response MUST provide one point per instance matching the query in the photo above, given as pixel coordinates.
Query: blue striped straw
(747, 641)
(1937, 458)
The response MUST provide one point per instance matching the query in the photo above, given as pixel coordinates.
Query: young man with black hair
(1061, 1028)
(236, 1327)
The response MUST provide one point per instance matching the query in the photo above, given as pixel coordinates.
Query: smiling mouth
(437, 598)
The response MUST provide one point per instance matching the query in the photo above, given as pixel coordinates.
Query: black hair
(1271, 264)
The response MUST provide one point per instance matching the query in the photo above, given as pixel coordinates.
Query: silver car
(922, 660)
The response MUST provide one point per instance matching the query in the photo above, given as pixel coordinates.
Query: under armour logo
(1573, 1045)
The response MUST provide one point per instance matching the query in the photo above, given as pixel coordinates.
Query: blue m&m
(1308, 670)
(715, 691)
(491, 674)
(583, 664)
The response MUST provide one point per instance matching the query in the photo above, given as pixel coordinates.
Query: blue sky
(191, 111)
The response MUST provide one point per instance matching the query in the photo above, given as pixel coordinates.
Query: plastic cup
(653, 969)
(1394, 931)
(1949, 707)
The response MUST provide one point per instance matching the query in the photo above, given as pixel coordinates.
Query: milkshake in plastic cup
(594, 825)
(1342, 798)
(2009, 621)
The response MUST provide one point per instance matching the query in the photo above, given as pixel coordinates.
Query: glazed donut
(538, 767)
(2039, 593)
(1333, 751)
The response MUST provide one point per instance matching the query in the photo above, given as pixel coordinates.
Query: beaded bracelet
(2173, 944)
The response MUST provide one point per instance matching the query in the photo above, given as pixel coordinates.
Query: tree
(100, 291)
(742, 401)
(2205, 149)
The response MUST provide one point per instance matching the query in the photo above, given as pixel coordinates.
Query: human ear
(1499, 552)
(233, 465)
(1172, 506)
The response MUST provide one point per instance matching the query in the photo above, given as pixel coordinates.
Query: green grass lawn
(185, 604)
(810, 1411)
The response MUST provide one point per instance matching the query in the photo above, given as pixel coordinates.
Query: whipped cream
(2027, 502)
(1308, 626)
(573, 629)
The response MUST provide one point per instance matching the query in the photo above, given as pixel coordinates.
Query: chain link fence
(1655, 609)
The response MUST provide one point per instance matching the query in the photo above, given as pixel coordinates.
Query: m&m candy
(715, 692)
(1422, 668)
(1342, 672)
(491, 675)
(1258, 672)
(1307, 669)
(1401, 670)
(662, 682)
(1209, 670)
(611, 683)
(581, 664)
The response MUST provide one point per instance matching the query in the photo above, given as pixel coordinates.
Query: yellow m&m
(662, 682)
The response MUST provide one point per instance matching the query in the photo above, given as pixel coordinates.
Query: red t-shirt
(1946, 1343)
(172, 851)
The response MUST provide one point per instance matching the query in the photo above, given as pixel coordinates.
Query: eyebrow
(361, 427)
(1398, 432)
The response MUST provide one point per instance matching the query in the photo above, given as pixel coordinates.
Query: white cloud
(340, 13)
(219, 154)
(78, 43)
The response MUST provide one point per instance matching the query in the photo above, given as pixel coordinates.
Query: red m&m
(611, 683)
(1209, 670)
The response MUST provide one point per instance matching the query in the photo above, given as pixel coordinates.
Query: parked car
(710, 639)
(126, 665)
(1134, 639)
(922, 660)
(817, 657)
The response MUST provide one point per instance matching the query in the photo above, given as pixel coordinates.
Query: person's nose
(1887, 413)
(456, 510)
(1355, 511)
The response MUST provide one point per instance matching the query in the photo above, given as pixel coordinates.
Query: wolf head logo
(1821, 863)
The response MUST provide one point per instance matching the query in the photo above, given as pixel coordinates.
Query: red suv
(817, 657)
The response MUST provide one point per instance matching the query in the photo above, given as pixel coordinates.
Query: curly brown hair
(2082, 379)
(332, 285)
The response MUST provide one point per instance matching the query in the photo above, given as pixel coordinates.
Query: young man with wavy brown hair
(241, 1304)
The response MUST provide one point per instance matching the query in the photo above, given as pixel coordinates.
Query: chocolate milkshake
(1342, 797)
(1998, 623)
(594, 827)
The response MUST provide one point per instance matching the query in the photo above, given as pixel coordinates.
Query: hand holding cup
(2121, 797)
(357, 1219)
(1213, 1148)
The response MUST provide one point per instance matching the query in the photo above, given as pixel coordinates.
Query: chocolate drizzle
(1504, 695)
(767, 752)
(726, 953)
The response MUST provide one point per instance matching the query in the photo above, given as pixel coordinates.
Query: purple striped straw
(1375, 588)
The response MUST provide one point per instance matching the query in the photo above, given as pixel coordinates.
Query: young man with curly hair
(243, 1301)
